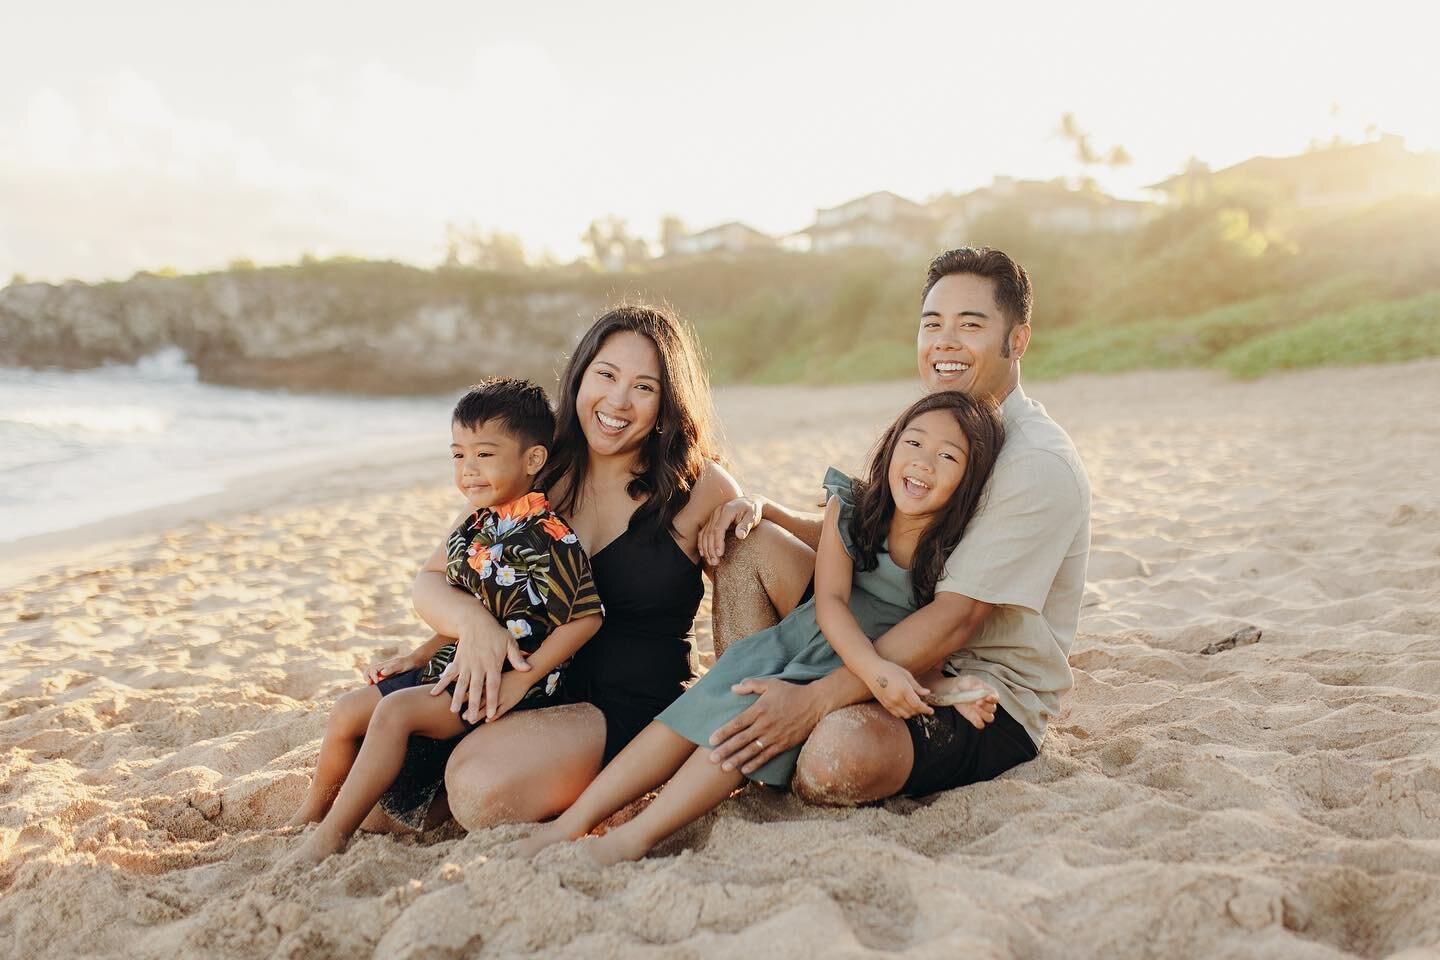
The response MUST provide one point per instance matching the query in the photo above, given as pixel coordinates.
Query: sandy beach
(167, 679)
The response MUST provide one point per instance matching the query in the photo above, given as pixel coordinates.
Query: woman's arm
(712, 491)
(744, 512)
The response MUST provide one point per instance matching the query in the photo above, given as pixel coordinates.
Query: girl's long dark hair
(671, 458)
(875, 505)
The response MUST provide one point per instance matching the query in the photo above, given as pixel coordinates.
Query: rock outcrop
(357, 327)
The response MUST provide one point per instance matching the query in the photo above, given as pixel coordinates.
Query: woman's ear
(535, 459)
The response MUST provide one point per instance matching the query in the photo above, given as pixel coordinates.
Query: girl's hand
(392, 666)
(896, 689)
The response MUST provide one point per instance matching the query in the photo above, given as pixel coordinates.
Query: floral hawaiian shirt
(528, 568)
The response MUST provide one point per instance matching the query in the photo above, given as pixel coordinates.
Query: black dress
(638, 662)
(635, 666)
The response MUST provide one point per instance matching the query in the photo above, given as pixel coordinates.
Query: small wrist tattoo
(884, 681)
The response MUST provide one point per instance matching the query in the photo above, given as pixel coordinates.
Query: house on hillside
(885, 220)
(733, 237)
(1338, 176)
(1049, 206)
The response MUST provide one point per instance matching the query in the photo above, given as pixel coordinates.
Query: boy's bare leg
(699, 787)
(645, 763)
(759, 581)
(398, 717)
(347, 724)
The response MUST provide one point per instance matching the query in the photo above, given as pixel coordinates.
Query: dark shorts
(950, 753)
(412, 678)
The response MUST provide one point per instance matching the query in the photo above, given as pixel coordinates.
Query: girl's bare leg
(645, 763)
(343, 732)
(699, 787)
(398, 717)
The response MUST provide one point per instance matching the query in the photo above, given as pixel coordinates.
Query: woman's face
(618, 401)
(928, 463)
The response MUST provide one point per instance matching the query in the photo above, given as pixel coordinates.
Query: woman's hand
(896, 689)
(742, 513)
(393, 666)
(481, 650)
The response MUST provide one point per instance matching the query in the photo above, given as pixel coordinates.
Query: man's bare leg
(759, 581)
(858, 754)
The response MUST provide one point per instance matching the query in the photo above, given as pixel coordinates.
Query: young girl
(513, 554)
(882, 550)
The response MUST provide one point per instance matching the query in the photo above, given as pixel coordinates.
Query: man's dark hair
(521, 407)
(1013, 294)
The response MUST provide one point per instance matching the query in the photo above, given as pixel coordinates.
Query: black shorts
(950, 752)
(414, 678)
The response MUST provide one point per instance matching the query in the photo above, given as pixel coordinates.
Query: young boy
(512, 553)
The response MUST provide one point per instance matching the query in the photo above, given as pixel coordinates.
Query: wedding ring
(759, 744)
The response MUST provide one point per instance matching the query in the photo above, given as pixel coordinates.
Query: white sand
(165, 696)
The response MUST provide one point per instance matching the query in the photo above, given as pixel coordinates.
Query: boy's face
(491, 467)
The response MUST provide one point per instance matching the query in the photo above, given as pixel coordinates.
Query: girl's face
(928, 463)
(618, 401)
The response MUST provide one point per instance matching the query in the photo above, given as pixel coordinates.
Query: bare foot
(545, 835)
(320, 844)
(614, 848)
(304, 818)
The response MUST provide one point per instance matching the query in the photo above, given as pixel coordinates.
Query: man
(1004, 613)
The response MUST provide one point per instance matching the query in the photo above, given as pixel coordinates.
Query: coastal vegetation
(1235, 283)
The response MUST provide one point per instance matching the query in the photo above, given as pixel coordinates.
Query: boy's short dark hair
(521, 407)
(1013, 294)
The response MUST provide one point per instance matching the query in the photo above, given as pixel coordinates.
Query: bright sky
(173, 133)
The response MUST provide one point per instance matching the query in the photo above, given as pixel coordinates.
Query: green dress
(794, 649)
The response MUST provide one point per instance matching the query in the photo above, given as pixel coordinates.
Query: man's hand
(783, 717)
(742, 513)
(481, 650)
(980, 713)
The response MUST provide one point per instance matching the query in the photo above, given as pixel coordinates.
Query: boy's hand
(391, 666)
(896, 689)
(513, 687)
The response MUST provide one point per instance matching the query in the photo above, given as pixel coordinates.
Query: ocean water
(77, 447)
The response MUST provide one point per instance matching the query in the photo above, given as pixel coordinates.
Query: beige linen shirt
(1025, 551)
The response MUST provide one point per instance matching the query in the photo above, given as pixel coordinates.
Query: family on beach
(913, 638)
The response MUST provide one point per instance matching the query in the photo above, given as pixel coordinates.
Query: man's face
(962, 341)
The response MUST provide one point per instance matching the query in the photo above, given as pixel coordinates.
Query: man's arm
(786, 714)
(918, 643)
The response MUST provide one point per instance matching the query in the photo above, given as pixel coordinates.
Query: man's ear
(535, 459)
(1019, 340)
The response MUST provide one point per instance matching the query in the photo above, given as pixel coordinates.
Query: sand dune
(165, 695)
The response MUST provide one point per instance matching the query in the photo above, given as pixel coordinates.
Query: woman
(634, 470)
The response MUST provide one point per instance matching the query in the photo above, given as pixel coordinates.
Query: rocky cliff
(361, 327)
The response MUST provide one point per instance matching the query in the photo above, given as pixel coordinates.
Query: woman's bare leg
(525, 767)
(398, 717)
(348, 720)
(759, 581)
(645, 763)
(699, 787)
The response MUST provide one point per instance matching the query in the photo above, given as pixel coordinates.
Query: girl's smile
(928, 463)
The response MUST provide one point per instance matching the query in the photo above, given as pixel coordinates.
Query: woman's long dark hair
(671, 457)
(980, 422)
